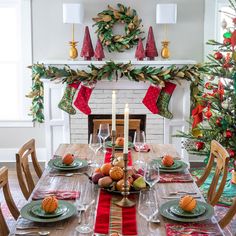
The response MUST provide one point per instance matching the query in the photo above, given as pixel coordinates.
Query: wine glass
(94, 144)
(139, 142)
(151, 173)
(147, 206)
(85, 203)
(104, 133)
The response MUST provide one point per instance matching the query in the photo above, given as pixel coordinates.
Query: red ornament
(87, 49)
(233, 39)
(99, 53)
(234, 20)
(208, 113)
(151, 50)
(218, 121)
(227, 41)
(199, 145)
(218, 55)
(208, 86)
(228, 133)
(231, 152)
(140, 53)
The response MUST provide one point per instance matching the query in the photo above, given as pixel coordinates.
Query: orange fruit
(49, 204)
(188, 203)
(68, 159)
(167, 160)
(105, 168)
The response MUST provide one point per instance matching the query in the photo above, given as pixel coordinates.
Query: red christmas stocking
(151, 97)
(164, 99)
(82, 99)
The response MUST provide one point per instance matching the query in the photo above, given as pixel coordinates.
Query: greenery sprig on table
(105, 21)
(67, 75)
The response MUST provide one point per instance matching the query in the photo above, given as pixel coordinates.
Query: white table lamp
(166, 14)
(73, 13)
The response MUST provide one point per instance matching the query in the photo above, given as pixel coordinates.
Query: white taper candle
(126, 128)
(113, 110)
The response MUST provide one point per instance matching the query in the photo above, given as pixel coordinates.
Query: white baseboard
(8, 154)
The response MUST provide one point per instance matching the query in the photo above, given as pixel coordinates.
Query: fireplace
(134, 118)
(63, 128)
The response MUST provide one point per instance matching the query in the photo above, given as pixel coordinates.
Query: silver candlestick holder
(125, 202)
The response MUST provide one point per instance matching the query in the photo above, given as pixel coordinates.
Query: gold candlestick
(125, 202)
(113, 141)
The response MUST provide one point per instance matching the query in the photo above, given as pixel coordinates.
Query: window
(15, 56)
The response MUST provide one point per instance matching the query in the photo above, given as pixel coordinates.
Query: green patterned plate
(26, 212)
(59, 163)
(166, 212)
(182, 166)
(199, 210)
(176, 165)
(77, 164)
(109, 144)
(38, 211)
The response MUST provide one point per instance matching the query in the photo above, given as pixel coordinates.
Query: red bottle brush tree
(151, 50)
(140, 52)
(87, 49)
(99, 53)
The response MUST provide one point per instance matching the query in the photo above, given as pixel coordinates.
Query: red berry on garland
(199, 145)
(228, 133)
(227, 41)
(218, 55)
(218, 121)
(231, 153)
(208, 114)
(208, 86)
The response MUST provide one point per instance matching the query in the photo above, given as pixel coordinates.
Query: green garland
(105, 21)
(67, 75)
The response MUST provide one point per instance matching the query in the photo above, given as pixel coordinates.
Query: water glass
(148, 206)
(104, 133)
(151, 173)
(84, 204)
(139, 142)
(94, 144)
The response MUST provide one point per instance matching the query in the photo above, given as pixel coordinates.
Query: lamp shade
(73, 13)
(166, 13)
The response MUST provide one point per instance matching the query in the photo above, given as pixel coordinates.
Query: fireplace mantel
(58, 123)
(133, 62)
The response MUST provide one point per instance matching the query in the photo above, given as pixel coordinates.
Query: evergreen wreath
(105, 21)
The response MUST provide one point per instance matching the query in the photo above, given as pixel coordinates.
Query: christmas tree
(99, 53)
(87, 49)
(214, 117)
(151, 50)
(140, 53)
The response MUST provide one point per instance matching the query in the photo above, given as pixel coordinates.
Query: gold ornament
(197, 133)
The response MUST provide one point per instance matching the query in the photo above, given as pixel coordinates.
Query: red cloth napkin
(60, 194)
(175, 178)
(145, 148)
(180, 229)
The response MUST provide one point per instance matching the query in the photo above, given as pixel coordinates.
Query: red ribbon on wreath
(197, 114)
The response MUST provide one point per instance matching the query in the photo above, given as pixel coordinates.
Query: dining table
(51, 180)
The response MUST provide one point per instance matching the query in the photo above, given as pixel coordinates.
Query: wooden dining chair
(134, 125)
(220, 156)
(4, 185)
(229, 215)
(23, 170)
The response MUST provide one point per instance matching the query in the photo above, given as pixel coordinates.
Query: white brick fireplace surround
(62, 128)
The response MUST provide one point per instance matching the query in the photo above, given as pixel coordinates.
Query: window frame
(26, 60)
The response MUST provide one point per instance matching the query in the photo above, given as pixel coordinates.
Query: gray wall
(51, 36)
